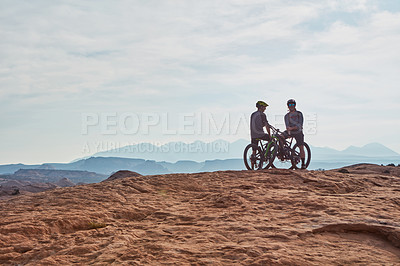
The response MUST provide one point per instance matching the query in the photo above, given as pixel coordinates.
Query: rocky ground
(271, 217)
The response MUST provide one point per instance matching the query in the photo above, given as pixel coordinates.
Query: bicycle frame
(282, 143)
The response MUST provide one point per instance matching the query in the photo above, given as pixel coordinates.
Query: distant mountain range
(101, 165)
(220, 149)
(107, 165)
(177, 151)
(374, 150)
(40, 175)
(376, 153)
(179, 157)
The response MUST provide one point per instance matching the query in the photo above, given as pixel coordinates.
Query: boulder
(122, 174)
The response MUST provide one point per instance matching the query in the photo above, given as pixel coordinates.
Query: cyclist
(294, 128)
(258, 121)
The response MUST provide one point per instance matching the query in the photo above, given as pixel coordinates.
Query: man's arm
(269, 130)
(301, 120)
(287, 123)
(266, 124)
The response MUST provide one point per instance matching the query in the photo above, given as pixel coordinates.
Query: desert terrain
(348, 216)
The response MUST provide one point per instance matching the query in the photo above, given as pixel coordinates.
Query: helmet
(291, 101)
(261, 104)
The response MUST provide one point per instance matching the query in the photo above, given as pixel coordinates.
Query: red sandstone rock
(272, 217)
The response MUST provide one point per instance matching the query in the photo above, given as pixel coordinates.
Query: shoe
(303, 167)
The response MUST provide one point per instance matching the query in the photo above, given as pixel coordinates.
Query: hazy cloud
(59, 59)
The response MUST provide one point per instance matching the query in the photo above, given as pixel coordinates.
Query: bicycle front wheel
(252, 157)
(270, 155)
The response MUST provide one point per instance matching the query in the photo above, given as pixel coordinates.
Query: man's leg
(302, 156)
(300, 142)
(253, 156)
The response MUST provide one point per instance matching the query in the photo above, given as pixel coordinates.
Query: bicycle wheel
(295, 156)
(283, 159)
(268, 158)
(252, 161)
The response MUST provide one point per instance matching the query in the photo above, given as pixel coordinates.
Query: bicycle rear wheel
(295, 156)
(252, 160)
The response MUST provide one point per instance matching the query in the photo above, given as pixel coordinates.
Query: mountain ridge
(222, 149)
(322, 157)
(371, 149)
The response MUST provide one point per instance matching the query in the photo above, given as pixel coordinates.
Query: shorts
(299, 137)
(255, 140)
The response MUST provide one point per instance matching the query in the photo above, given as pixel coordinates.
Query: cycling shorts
(299, 137)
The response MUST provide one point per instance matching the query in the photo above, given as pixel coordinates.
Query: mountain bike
(288, 154)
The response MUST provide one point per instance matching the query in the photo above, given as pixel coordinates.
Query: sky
(79, 77)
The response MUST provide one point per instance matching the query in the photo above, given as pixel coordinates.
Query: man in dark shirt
(294, 128)
(258, 121)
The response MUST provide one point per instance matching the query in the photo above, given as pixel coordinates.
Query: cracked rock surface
(270, 217)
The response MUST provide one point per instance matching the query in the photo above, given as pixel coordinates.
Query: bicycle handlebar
(275, 130)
